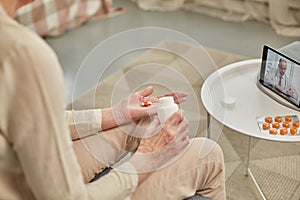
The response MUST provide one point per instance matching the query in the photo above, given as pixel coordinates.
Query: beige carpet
(275, 165)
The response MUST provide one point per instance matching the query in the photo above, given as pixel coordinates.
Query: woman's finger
(183, 125)
(179, 142)
(180, 128)
(176, 95)
(176, 118)
(146, 92)
(179, 101)
(155, 122)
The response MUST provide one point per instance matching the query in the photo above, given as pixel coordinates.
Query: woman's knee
(208, 149)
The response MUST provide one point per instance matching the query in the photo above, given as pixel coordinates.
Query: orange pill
(293, 130)
(276, 125)
(288, 118)
(278, 119)
(286, 124)
(265, 126)
(146, 103)
(273, 131)
(283, 131)
(296, 124)
(268, 119)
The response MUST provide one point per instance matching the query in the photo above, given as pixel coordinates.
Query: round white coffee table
(232, 97)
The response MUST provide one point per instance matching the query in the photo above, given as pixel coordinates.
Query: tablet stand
(275, 96)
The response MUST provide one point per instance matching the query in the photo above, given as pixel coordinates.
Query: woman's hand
(161, 144)
(131, 109)
(157, 135)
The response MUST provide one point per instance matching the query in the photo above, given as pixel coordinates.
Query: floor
(241, 38)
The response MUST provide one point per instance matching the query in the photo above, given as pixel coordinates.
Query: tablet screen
(281, 74)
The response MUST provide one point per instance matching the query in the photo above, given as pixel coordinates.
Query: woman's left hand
(131, 108)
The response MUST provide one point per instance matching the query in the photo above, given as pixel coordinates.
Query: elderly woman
(42, 157)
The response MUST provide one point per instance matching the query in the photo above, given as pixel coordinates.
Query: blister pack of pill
(279, 125)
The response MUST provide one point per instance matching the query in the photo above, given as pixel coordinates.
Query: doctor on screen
(280, 81)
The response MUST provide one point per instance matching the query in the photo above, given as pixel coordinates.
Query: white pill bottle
(166, 107)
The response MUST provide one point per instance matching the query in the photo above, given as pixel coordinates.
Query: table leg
(249, 173)
(248, 157)
(208, 126)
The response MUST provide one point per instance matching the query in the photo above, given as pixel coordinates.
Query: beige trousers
(197, 170)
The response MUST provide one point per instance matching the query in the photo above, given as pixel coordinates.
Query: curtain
(282, 15)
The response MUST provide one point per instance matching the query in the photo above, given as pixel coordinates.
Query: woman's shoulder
(16, 38)
(25, 55)
(25, 50)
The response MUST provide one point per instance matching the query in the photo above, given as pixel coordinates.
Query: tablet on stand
(279, 76)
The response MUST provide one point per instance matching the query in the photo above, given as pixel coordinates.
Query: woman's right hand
(161, 143)
(158, 136)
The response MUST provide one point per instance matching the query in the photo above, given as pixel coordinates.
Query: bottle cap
(165, 101)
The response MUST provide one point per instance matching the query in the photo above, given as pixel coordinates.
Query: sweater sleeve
(36, 128)
(83, 123)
